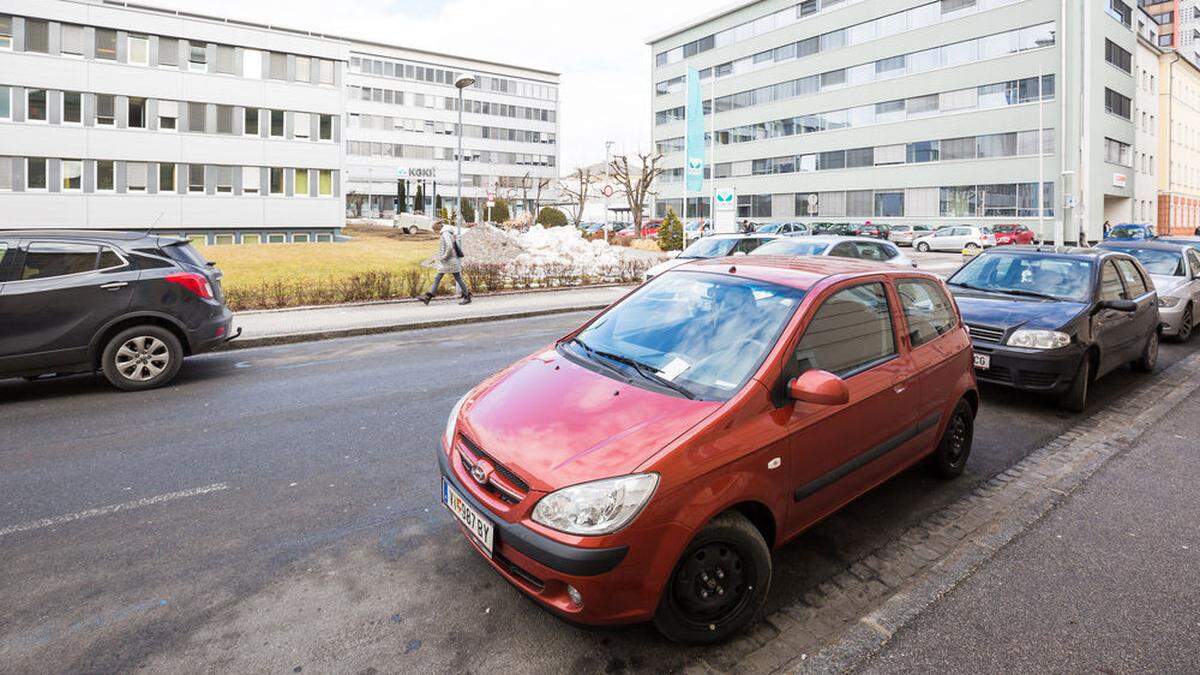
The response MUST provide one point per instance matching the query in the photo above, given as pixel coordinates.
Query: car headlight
(1039, 339)
(1169, 301)
(599, 507)
(452, 421)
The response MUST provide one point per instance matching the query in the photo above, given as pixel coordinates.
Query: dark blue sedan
(1053, 320)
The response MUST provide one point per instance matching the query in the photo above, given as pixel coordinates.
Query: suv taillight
(196, 283)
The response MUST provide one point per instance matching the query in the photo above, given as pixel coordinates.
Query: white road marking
(112, 508)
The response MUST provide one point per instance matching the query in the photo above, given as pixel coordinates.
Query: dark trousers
(458, 279)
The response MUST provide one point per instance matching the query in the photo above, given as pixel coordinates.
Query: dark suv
(129, 305)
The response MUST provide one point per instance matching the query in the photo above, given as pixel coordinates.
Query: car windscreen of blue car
(1055, 278)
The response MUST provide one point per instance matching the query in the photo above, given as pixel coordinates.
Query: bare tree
(529, 182)
(577, 189)
(636, 180)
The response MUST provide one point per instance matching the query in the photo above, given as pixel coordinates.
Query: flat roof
(309, 33)
(702, 19)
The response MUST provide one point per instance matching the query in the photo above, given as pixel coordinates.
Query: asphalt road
(278, 509)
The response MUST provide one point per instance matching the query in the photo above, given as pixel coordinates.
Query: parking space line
(112, 508)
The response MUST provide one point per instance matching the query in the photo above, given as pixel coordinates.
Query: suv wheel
(719, 584)
(923, 247)
(142, 357)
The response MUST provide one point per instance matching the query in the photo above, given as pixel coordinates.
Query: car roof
(102, 235)
(1146, 244)
(835, 239)
(1050, 250)
(801, 272)
(731, 235)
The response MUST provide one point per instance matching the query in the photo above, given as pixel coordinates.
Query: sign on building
(725, 218)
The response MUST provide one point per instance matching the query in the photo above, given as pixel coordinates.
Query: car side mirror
(1119, 305)
(819, 388)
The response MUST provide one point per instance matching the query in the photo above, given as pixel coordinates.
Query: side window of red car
(850, 332)
(927, 310)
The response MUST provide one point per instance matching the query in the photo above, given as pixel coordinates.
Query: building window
(889, 204)
(276, 238)
(224, 119)
(197, 113)
(106, 44)
(277, 123)
(6, 174)
(301, 183)
(195, 177)
(166, 177)
(250, 180)
(224, 177)
(250, 122)
(72, 175)
(168, 52)
(1116, 152)
(252, 64)
(251, 238)
(300, 238)
(5, 31)
(225, 60)
(168, 115)
(197, 57)
(72, 107)
(36, 105)
(37, 36)
(139, 50)
(958, 202)
(301, 125)
(137, 112)
(1117, 56)
(277, 182)
(325, 183)
(303, 69)
(35, 173)
(923, 151)
(71, 39)
(326, 74)
(5, 103)
(1117, 104)
(278, 66)
(135, 176)
(106, 107)
(105, 175)
(326, 128)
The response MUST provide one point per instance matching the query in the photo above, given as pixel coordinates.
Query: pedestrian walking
(1107, 228)
(449, 261)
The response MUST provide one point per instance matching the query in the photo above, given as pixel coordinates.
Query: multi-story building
(1146, 118)
(1179, 145)
(893, 110)
(1169, 19)
(115, 115)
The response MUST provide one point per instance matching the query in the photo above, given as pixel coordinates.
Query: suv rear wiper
(647, 372)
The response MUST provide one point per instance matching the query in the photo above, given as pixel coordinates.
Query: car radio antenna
(152, 225)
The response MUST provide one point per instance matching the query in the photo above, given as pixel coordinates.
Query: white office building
(936, 112)
(115, 115)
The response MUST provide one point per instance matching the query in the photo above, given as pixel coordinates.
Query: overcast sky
(599, 47)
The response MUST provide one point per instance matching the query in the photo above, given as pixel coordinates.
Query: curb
(296, 338)
(871, 633)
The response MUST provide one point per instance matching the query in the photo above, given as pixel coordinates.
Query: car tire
(923, 247)
(972, 246)
(719, 584)
(1186, 326)
(949, 460)
(141, 358)
(1075, 400)
(1148, 361)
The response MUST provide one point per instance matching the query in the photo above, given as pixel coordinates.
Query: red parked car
(644, 466)
(1012, 234)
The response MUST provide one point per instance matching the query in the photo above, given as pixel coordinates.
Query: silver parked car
(860, 248)
(1175, 269)
(904, 235)
(712, 246)
(956, 238)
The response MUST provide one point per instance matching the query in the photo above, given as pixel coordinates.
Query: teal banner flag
(694, 168)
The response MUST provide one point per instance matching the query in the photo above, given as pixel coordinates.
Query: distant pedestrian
(449, 261)
(1196, 232)
(1107, 228)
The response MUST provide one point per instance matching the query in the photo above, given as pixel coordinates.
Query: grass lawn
(249, 265)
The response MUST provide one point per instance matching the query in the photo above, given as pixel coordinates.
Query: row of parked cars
(921, 237)
(645, 465)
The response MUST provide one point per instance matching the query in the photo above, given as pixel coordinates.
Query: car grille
(1035, 379)
(474, 454)
(985, 333)
(512, 568)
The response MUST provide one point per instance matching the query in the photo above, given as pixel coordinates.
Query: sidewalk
(319, 323)
(1107, 582)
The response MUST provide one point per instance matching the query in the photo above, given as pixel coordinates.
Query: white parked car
(411, 223)
(904, 235)
(859, 248)
(712, 246)
(956, 238)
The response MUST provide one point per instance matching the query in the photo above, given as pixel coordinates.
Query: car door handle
(900, 388)
(115, 286)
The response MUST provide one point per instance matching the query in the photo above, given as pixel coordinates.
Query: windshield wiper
(1004, 291)
(647, 372)
(593, 353)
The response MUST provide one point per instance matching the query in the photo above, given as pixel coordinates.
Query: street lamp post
(461, 83)
(607, 185)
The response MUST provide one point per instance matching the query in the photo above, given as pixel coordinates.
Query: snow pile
(566, 246)
(487, 244)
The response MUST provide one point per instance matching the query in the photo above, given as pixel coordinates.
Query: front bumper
(620, 583)
(1171, 319)
(1049, 371)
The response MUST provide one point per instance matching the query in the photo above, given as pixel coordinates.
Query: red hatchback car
(1012, 234)
(644, 466)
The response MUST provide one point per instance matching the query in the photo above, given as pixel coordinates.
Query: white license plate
(983, 362)
(479, 527)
